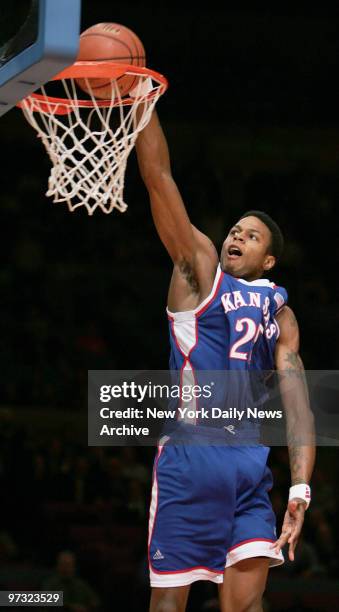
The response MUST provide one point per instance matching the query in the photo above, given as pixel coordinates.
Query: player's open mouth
(234, 252)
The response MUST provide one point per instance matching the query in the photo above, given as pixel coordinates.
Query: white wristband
(301, 491)
(142, 88)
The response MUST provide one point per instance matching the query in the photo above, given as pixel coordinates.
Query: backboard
(45, 43)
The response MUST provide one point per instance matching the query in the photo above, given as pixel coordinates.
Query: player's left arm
(299, 427)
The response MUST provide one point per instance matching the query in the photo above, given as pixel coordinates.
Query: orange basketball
(110, 41)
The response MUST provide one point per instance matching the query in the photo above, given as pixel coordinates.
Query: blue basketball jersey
(234, 329)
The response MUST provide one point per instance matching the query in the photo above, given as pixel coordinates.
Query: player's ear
(269, 262)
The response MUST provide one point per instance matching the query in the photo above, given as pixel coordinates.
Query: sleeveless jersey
(234, 329)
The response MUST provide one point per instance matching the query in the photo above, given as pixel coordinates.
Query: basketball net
(89, 141)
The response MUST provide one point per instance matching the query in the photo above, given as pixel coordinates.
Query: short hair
(277, 238)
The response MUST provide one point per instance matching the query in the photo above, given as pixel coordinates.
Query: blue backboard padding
(55, 48)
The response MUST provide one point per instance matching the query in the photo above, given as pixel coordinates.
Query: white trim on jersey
(184, 578)
(184, 331)
(187, 378)
(277, 326)
(279, 300)
(248, 550)
(185, 336)
(260, 282)
(154, 495)
(255, 548)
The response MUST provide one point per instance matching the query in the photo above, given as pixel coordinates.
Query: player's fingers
(293, 541)
(283, 539)
(295, 531)
(294, 537)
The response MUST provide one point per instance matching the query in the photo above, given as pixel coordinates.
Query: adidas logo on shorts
(157, 556)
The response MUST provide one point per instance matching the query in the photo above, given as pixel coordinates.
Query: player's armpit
(191, 284)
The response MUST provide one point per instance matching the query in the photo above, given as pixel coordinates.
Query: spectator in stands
(131, 466)
(79, 596)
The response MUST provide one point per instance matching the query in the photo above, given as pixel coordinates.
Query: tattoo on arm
(188, 272)
(299, 422)
(294, 363)
(300, 432)
(298, 460)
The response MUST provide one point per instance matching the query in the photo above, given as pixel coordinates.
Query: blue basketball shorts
(210, 508)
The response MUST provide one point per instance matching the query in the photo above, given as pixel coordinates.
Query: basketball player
(211, 517)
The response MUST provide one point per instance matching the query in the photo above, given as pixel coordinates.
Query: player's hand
(292, 525)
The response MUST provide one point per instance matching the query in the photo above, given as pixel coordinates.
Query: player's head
(252, 247)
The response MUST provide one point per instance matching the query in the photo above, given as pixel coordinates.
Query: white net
(89, 146)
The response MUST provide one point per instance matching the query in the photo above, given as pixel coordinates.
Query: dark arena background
(252, 120)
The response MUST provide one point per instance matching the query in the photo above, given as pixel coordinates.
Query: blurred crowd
(82, 293)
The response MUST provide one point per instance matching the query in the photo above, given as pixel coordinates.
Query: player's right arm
(193, 254)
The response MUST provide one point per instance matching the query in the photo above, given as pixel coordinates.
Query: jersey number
(251, 332)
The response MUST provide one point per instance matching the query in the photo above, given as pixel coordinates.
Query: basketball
(110, 41)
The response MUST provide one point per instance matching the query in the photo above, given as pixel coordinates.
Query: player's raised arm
(169, 213)
(300, 426)
(193, 254)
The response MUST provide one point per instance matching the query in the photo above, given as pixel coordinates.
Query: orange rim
(95, 69)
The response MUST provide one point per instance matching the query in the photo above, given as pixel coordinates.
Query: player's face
(245, 252)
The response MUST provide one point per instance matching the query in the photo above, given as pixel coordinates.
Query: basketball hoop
(89, 140)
